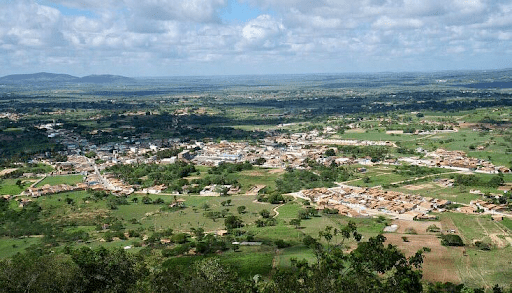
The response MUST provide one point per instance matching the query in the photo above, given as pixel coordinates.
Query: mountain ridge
(41, 77)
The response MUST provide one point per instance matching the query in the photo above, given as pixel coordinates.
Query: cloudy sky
(212, 37)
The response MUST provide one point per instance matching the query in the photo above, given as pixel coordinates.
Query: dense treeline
(14, 223)
(321, 176)
(476, 181)
(21, 145)
(377, 153)
(224, 168)
(153, 174)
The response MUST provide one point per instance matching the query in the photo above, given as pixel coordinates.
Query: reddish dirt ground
(439, 263)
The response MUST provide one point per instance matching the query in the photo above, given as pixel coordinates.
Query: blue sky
(217, 37)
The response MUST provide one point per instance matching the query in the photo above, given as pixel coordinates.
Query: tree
(303, 214)
(147, 200)
(260, 161)
(265, 214)
(212, 215)
(330, 153)
(295, 222)
(205, 206)
(360, 270)
(259, 223)
(198, 232)
(105, 270)
(241, 209)
(232, 222)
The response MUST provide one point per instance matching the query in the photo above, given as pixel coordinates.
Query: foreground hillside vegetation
(279, 188)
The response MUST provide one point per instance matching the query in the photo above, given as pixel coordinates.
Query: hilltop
(45, 77)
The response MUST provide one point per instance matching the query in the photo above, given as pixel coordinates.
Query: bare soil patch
(439, 263)
(499, 242)
(356, 130)
(7, 171)
(419, 226)
(276, 171)
(419, 186)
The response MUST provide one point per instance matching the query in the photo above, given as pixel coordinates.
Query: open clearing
(419, 187)
(439, 263)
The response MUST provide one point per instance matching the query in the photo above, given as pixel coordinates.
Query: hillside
(44, 77)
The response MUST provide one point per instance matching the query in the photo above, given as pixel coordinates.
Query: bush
(179, 238)
(281, 243)
(451, 240)
(433, 228)
(483, 245)
(410, 231)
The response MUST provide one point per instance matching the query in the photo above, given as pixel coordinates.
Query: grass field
(298, 252)
(249, 261)
(482, 268)
(56, 180)
(11, 246)
(8, 186)
(257, 176)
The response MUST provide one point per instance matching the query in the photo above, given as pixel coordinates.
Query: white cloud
(161, 34)
(263, 32)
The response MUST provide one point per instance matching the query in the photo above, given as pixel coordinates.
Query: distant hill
(44, 77)
(105, 78)
(38, 77)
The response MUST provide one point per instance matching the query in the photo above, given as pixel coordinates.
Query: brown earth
(438, 264)
(419, 226)
(7, 171)
(419, 186)
(276, 171)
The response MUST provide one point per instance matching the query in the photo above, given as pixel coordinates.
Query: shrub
(483, 245)
(281, 243)
(410, 231)
(433, 228)
(451, 240)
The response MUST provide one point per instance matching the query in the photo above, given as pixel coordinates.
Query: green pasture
(9, 186)
(61, 179)
(11, 246)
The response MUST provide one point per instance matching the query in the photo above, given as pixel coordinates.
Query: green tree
(232, 222)
(241, 209)
(295, 222)
(103, 270)
(265, 214)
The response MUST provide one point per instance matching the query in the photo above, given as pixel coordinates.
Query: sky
(225, 37)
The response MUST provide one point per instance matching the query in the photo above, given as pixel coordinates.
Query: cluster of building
(356, 201)
(11, 116)
(53, 189)
(217, 190)
(457, 160)
(488, 207)
(280, 152)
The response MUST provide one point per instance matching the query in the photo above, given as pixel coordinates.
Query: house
(155, 189)
(497, 218)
